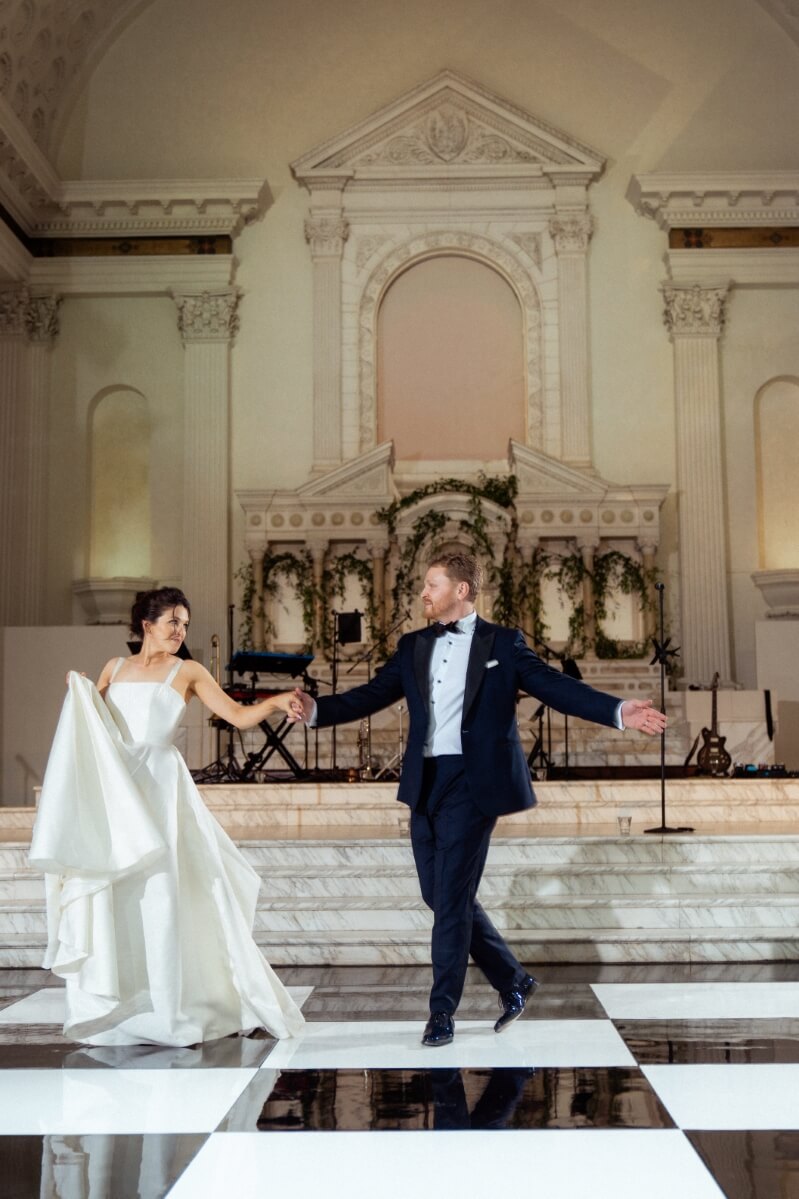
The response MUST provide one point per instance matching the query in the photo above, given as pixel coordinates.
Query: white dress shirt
(448, 664)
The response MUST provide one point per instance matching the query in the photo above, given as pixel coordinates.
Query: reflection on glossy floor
(619, 1082)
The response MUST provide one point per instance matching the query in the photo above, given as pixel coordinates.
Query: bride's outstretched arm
(241, 716)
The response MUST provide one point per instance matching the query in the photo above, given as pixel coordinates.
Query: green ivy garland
(517, 581)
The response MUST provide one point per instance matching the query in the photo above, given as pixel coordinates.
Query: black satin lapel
(422, 653)
(482, 643)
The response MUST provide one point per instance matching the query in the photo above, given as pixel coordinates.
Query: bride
(150, 905)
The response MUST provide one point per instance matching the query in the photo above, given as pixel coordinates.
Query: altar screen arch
(451, 373)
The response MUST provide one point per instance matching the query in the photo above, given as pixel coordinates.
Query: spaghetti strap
(173, 672)
(116, 670)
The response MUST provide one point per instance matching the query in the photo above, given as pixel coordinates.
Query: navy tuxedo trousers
(450, 837)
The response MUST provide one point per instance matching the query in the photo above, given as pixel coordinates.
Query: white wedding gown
(150, 905)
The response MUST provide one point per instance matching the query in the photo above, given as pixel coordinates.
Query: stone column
(377, 552)
(326, 234)
(42, 325)
(587, 547)
(208, 324)
(694, 316)
(648, 548)
(256, 550)
(571, 234)
(318, 552)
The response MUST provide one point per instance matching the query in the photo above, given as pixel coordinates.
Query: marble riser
(557, 946)
(529, 883)
(399, 917)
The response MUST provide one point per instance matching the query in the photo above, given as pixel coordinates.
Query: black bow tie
(440, 629)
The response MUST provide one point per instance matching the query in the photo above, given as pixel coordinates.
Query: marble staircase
(562, 882)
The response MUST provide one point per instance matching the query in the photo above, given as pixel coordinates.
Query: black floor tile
(370, 1100)
(230, 1053)
(694, 1042)
(104, 1167)
(751, 1165)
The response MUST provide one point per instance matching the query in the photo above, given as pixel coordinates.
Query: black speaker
(349, 627)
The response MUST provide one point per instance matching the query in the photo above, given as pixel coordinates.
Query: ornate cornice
(714, 198)
(208, 316)
(694, 310)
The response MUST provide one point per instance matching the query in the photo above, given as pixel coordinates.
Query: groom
(464, 766)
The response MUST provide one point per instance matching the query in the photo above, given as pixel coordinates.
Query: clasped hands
(297, 705)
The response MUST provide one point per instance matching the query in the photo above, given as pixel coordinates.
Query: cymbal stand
(366, 771)
(539, 759)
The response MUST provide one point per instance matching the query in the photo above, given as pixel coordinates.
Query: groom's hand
(303, 708)
(640, 714)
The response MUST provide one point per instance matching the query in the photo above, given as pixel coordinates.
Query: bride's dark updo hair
(149, 605)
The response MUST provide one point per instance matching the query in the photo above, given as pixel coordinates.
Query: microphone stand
(662, 655)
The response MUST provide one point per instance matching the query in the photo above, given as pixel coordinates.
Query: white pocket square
(493, 662)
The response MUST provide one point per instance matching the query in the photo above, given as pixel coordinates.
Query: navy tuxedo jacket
(500, 665)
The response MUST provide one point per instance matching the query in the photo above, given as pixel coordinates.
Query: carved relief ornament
(694, 310)
(326, 236)
(571, 234)
(208, 316)
(24, 315)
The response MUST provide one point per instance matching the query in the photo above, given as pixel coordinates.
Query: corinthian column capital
(14, 312)
(571, 234)
(41, 318)
(694, 310)
(326, 235)
(208, 316)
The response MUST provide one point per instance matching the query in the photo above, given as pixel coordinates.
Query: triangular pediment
(538, 474)
(448, 123)
(368, 475)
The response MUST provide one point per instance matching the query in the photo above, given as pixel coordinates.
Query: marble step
(390, 915)
(541, 946)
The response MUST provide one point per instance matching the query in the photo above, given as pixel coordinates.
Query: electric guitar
(713, 758)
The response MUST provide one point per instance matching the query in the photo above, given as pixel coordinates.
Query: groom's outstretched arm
(384, 689)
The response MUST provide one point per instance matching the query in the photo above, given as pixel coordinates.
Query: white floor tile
(47, 1006)
(397, 1044)
(727, 1096)
(698, 1001)
(117, 1101)
(360, 1165)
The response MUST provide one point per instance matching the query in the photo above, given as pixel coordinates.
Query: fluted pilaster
(28, 325)
(694, 317)
(571, 235)
(208, 323)
(326, 235)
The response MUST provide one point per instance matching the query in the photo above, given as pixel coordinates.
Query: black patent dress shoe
(439, 1030)
(513, 1001)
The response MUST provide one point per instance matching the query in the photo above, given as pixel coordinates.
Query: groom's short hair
(461, 568)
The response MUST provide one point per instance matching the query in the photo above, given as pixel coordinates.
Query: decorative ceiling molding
(448, 127)
(679, 201)
(786, 14)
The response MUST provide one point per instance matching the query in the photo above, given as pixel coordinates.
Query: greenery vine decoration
(296, 569)
(518, 582)
(334, 582)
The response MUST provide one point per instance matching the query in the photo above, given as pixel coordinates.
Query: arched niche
(776, 420)
(120, 511)
(484, 253)
(450, 361)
